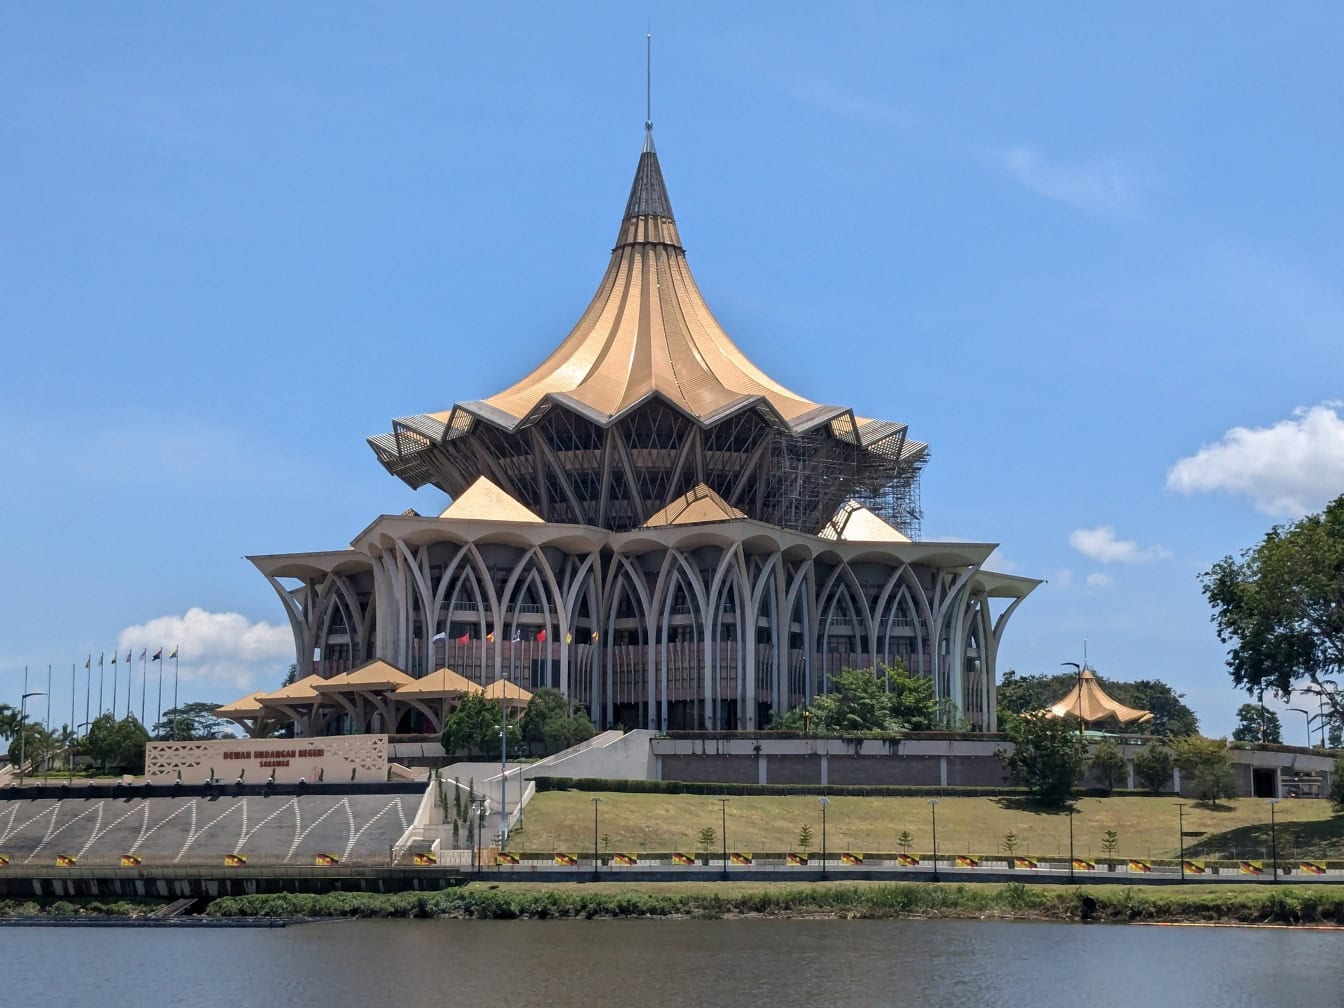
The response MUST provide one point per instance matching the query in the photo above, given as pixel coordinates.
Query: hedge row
(782, 790)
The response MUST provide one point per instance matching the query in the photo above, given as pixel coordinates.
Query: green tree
(117, 745)
(1257, 724)
(1337, 786)
(805, 839)
(1047, 756)
(905, 841)
(37, 745)
(1109, 764)
(882, 699)
(9, 721)
(1205, 764)
(706, 839)
(1280, 606)
(553, 721)
(475, 726)
(190, 722)
(1110, 840)
(1009, 845)
(1153, 766)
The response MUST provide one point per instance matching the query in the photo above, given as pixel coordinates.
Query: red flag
(541, 636)
(464, 639)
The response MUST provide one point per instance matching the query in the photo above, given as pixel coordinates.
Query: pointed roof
(296, 692)
(372, 675)
(647, 331)
(1089, 702)
(502, 689)
(855, 523)
(485, 501)
(700, 505)
(437, 685)
(244, 707)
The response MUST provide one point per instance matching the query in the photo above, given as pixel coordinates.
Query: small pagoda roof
(372, 675)
(485, 501)
(244, 707)
(701, 504)
(443, 684)
(1090, 703)
(296, 692)
(512, 693)
(855, 523)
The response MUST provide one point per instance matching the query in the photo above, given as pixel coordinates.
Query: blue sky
(1090, 254)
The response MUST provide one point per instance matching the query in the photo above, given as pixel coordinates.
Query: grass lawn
(1147, 827)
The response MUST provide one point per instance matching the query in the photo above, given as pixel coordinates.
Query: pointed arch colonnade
(713, 626)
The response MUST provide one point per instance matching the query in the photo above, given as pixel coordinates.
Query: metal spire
(648, 83)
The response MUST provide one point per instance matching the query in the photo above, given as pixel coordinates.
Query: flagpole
(175, 707)
(88, 686)
(144, 685)
(114, 685)
(69, 753)
(130, 681)
(159, 720)
(100, 685)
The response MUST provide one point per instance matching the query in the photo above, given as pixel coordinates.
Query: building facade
(652, 525)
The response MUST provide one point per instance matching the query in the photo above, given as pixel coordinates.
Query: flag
(128, 656)
(967, 861)
(143, 652)
(465, 639)
(88, 662)
(4, 860)
(569, 638)
(174, 654)
(568, 860)
(424, 858)
(850, 858)
(235, 860)
(739, 857)
(65, 860)
(1312, 868)
(1193, 867)
(441, 635)
(114, 658)
(541, 636)
(1083, 864)
(490, 637)
(683, 859)
(1024, 862)
(505, 858)
(625, 859)
(158, 655)
(906, 860)
(1252, 867)
(130, 861)
(517, 634)
(1137, 865)
(100, 659)
(594, 637)
(797, 860)
(326, 860)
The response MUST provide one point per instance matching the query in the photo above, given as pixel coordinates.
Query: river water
(673, 964)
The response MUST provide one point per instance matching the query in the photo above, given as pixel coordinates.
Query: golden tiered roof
(1089, 702)
(647, 331)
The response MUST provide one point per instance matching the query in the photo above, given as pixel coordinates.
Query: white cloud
(1099, 581)
(1289, 468)
(1101, 544)
(1100, 186)
(217, 649)
(831, 98)
(996, 561)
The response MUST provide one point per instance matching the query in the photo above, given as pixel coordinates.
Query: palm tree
(9, 721)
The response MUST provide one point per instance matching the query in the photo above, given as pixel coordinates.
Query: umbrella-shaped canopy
(1089, 702)
(373, 676)
(511, 693)
(244, 707)
(445, 684)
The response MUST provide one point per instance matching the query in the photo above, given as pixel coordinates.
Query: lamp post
(933, 813)
(1082, 725)
(1180, 831)
(504, 764)
(1070, 807)
(723, 809)
(1306, 714)
(478, 818)
(23, 728)
(595, 861)
(823, 802)
(1274, 838)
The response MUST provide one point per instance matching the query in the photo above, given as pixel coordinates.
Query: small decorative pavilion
(1088, 702)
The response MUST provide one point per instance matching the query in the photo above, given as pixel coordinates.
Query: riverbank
(1284, 904)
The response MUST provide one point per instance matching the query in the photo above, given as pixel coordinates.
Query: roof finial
(648, 82)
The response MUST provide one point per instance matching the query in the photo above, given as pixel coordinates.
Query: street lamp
(1070, 807)
(595, 862)
(1274, 838)
(1307, 715)
(1082, 725)
(478, 819)
(723, 808)
(1180, 830)
(933, 813)
(824, 802)
(23, 725)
